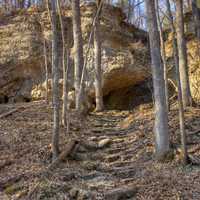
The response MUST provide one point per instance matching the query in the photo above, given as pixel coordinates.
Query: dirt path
(127, 162)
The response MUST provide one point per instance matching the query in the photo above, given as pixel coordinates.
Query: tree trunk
(65, 64)
(78, 46)
(196, 15)
(182, 52)
(46, 71)
(56, 103)
(97, 64)
(161, 119)
(180, 100)
(163, 53)
(81, 89)
(189, 3)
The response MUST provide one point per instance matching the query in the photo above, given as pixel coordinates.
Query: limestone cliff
(20, 55)
(125, 54)
(193, 56)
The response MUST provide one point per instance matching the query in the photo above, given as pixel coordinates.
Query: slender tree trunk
(180, 100)
(181, 120)
(163, 54)
(78, 46)
(65, 114)
(196, 18)
(65, 67)
(131, 11)
(196, 15)
(49, 12)
(46, 72)
(97, 64)
(182, 51)
(56, 103)
(83, 74)
(189, 3)
(161, 119)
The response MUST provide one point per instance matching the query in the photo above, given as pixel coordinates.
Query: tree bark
(56, 103)
(83, 74)
(163, 53)
(97, 64)
(182, 52)
(78, 46)
(180, 100)
(46, 71)
(196, 15)
(161, 119)
(65, 64)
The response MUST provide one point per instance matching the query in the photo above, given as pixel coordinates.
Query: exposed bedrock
(125, 54)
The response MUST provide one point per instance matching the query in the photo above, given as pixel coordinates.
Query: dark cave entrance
(130, 97)
(4, 99)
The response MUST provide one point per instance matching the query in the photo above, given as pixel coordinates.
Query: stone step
(124, 173)
(122, 164)
(112, 159)
(115, 150)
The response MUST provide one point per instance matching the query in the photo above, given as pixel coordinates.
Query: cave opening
(130, 97)
(4, 99)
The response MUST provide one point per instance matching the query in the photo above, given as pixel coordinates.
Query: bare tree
(97, 63)
(46, 71)
(196, 15)
(55, 71)
(180, 100)
(78, 46)
(65, 64)
(182, 52)
(161, 119)
(82, 97)
(163, 53)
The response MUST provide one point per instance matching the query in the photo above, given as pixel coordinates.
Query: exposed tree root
(67, 152)
(6, 114)
(70, 151)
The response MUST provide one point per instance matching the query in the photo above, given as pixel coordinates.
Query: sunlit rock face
(192, 55)
(20, 57)
(125, 55)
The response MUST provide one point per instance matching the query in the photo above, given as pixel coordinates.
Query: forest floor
(126, 162)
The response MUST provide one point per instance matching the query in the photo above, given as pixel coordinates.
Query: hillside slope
(127, 161)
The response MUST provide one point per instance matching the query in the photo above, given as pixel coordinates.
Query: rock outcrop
(193, 57)
(125, 56)
(20, 57)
